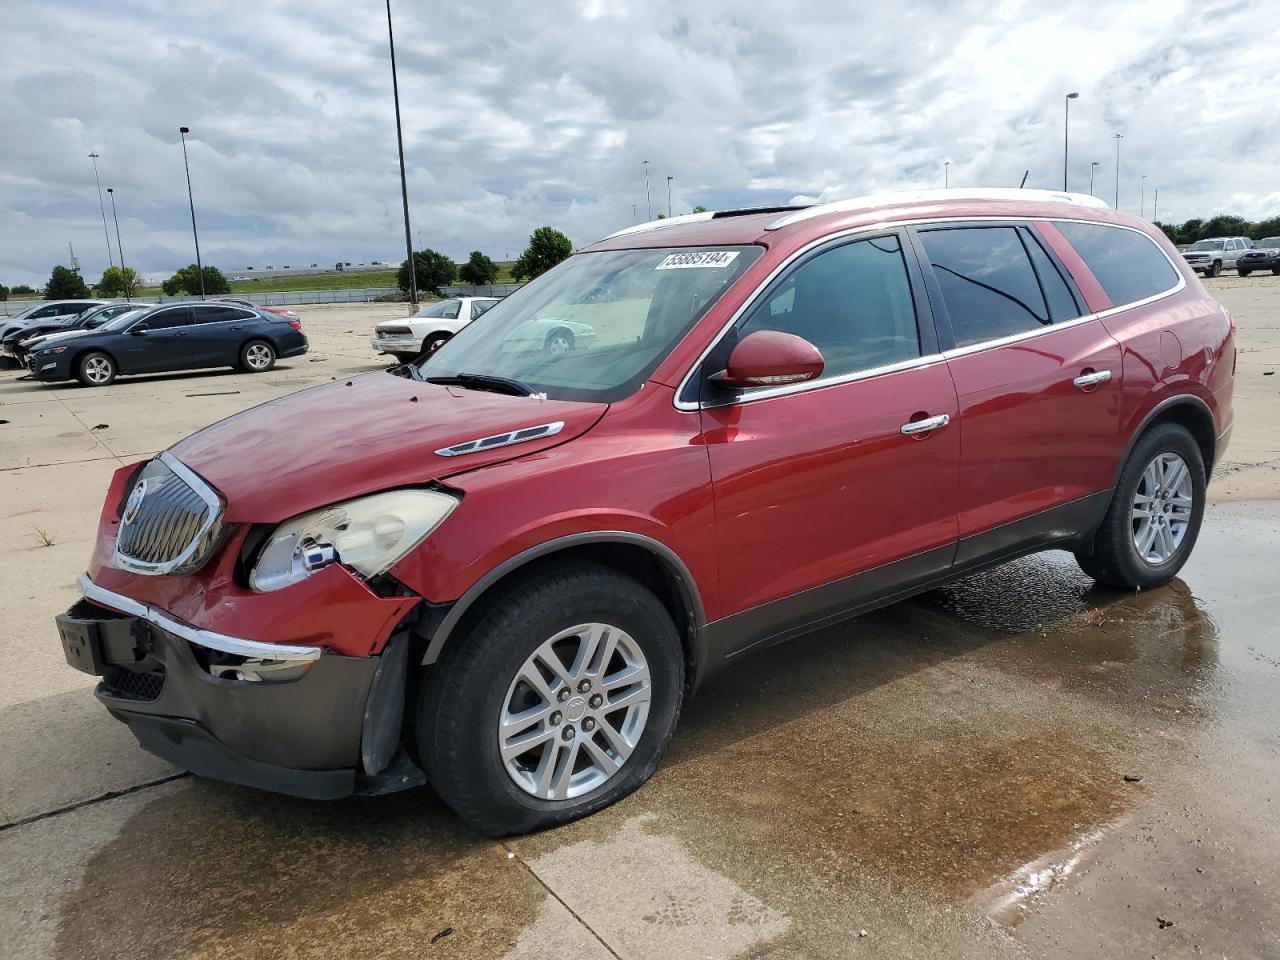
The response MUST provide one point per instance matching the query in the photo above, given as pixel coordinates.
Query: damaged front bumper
(293, 719)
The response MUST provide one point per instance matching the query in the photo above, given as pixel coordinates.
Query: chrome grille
(171, 522)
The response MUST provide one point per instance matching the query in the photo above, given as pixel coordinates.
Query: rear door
(217, 332)
(1038, 383)
(822, 501)
(161, 346)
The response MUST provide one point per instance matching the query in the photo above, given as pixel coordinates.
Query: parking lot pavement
(943, 778)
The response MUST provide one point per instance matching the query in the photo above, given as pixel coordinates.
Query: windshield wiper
(483, 381)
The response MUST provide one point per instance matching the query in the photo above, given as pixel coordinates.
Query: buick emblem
(133, 506)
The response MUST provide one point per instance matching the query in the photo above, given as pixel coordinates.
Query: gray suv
(1211, 256)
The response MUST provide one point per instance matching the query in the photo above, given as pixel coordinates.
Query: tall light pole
(1142, 203)
(669, 179)
(404, 188)
(102, 208)
(1119, 137)
(633, 213)
(1066, 131)
(112, 193)
(1155, 207)
(648, 207)
(1093, 166)
(182, 132)
(946, 173)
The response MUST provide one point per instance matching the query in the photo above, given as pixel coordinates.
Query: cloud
(520, 115)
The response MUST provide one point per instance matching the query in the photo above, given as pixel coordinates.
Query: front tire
(1216, 269)
(1243, 272)
(257, 356)
(560, 699)
(96, 370)
(1155, 514)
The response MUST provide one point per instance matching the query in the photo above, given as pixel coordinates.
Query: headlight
(368, 536)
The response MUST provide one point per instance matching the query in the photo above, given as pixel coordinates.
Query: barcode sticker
(697, 258)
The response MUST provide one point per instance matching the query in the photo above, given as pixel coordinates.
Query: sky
(518, 115)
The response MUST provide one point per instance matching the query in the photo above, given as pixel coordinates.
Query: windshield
(1268, 242)
(595, 327)
(444, 310)
(1206, 245)
(122, 321)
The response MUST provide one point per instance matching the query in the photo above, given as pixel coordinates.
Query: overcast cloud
(522, 114)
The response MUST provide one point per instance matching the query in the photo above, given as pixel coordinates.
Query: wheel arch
(653, 564)
(1187, 410)
(85, 351)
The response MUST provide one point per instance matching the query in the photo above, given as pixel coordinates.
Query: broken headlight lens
(367, 536)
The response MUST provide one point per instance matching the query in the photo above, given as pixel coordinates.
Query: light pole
(112, 193)
(1093, 166)
(946, 173)
(182, 131)
(404, 188)
(1155, 207)
(105, 234)
(633, 213)
(1142, 203)
(648, 207)
(1119, 137)
(669, 179)
(1066, 130)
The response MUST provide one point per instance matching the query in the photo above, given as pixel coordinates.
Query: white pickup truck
(431, 326)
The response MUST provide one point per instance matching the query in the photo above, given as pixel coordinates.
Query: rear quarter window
(1127, 263)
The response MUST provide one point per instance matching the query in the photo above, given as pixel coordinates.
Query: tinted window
(987, 282)
(219, 314)
(853, 303)
(1127, 263)
(167, 318)
(52, 311)
(1062, 305)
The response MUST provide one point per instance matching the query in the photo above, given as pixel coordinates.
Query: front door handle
(1086, 380)
(925, 425)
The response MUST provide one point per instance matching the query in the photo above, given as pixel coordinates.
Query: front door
(161, 346)
(1039, 387)
(822, 501)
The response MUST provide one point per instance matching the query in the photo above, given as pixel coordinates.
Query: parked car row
(1215, 254)
(109, 340)
(505, 566)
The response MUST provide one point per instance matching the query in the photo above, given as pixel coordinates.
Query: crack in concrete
(80, 804)
(560, 900)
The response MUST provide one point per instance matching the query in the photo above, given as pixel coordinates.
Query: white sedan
(431, 326)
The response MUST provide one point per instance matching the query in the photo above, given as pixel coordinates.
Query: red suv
(501, 569)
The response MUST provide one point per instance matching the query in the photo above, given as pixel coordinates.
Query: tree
(547, 247)
(65, 284)
(4, 292)
(699, 209)
(479, 271)
(431, 270)
(187, 280)
(1225, 225)
(118, 282)
(21, 289)
(1170, 231)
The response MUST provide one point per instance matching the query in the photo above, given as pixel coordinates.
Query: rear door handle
(925, 425)
(1086, 380)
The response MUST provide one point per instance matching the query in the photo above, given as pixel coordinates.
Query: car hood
(40, 339)
(352, 437)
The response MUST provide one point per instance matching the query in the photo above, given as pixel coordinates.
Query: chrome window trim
(206, 493)
(750, 301)
(221, 642)
(537, 432)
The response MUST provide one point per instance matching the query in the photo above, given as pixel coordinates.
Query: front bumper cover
(292, 719)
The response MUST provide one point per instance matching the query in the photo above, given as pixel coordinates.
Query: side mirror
(770, 358)
(138, 329)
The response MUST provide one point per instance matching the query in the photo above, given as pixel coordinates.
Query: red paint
(771, 356)
(760, 500)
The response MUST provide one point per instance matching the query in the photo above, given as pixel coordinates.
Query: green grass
(318, 281)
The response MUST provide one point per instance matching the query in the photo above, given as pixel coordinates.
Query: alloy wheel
(97, 370)
(558, 344)
(1162, 506)
(258, 356)
(575, 711)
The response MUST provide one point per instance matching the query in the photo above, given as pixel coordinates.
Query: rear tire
(559, 341)
(433, 343)
(478, 685)
(96, 369)
(257, 356)
(1149, 529)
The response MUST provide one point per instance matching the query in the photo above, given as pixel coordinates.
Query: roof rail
(707, 215)
(937, 196)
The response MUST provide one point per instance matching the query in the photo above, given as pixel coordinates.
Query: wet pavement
(1020, 765)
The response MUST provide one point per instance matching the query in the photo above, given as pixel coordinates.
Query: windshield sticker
(698, 258)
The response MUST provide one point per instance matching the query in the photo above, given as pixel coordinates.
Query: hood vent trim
(522, 435)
